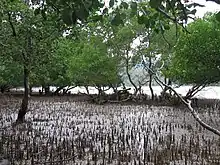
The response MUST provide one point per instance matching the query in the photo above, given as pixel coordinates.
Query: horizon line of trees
(103, 55)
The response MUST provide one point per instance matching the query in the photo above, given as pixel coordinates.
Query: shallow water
(210, 92)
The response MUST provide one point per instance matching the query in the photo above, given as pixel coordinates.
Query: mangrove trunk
(24, 105)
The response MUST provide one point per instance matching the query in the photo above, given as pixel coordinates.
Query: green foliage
(26, 39)
(49, 61)
(217, 16)
(60, 63)
(88, 61)
(71, 11)
(155, 3)
(10, 73)
(123, 36)
(117, 19)
(197, 55)
(157, 14)
(163, 44)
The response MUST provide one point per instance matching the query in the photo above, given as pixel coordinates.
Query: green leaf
(96, 4)
(111, 3)
(155, 16)
(82, 13)
(217, 16)
(97, 18)
(147, 23)
(43, 13)
(124, 5)
(105, 11)
(66, 16)
(74, 18)
(88, 5)
(157, 30)
(141, 19)
(134, 6)
(122, 16)
(37, 11)
(166, 27)
(162, 29)
(132, 14)
(155, 3)
(117, 20)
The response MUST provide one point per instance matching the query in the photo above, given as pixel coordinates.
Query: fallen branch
(120, 101)
(194, 90)
(187, 102)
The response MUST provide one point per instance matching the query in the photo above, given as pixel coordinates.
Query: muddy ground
(70, 130)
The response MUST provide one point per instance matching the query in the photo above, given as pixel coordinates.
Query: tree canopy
(87, 62)
(196, 56)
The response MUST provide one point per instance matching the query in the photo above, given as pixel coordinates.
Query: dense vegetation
(195, 59)
(97, 49)
(107, 45)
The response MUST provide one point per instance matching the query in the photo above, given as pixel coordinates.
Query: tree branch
(166, 15)
(171, 18)
(183, 9)
(3, 44)
(194, 90)
(187, 102)
(12, 26)
(216, 1)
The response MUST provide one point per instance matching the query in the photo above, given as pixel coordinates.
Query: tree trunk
(2, 89)
(150, 86)
(87, 89)
(58, 90)
(169, 83)
(115, 90)
(69, 88)
(151, 79)
(24, 104)
(31, 90)
(100, 99)
(47, 90)
(129, 76)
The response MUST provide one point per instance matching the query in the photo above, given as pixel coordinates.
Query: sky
(209, 7)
